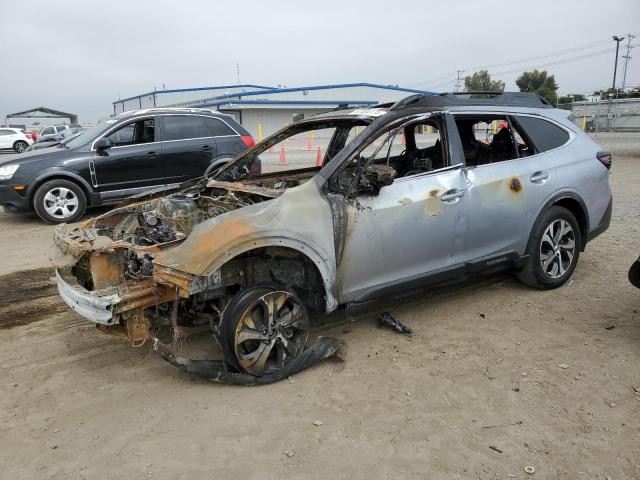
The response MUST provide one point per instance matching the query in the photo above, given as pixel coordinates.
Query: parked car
(51, 131)
(59, 138)
(130, 153)
(419, 197)
(15, 139)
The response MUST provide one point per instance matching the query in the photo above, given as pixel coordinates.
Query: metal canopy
(42, 112)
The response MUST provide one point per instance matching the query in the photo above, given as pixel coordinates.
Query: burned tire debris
(220, 371)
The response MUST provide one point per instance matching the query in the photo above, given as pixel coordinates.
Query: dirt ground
(497, 377)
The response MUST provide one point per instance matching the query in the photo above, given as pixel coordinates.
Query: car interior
(142, 131)
(411, 149)
(490, 139)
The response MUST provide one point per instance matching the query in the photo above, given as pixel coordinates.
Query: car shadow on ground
(30, 218)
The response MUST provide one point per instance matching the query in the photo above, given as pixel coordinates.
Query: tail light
(248, 140)
(256, 166)
(604, 158)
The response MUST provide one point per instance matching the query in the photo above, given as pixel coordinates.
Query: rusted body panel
(300, 219)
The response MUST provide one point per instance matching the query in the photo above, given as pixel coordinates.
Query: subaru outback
(432, 189)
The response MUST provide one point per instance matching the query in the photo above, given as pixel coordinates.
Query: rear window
(184, 127)
(544, 135)
(217, 128)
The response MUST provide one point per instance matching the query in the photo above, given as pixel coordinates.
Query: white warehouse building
(263, 110)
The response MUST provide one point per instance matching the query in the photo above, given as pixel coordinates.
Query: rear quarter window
(544, 134)
(217, 128)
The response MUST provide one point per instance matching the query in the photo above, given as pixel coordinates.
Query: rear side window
(544, 135)
(48, 131)
(7, 132)
(217, 128)
(184, 127)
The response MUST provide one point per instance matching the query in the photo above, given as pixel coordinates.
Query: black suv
(121, 156)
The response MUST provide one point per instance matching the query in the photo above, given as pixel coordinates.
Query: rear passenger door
(6, 138)
(187, 146)
(509, 180)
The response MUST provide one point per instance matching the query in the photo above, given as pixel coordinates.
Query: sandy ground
(496, 377)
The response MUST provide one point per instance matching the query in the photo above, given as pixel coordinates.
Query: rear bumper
(604, 222)
(98, 309)
(12, 201)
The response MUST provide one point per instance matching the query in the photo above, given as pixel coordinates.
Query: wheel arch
(217, 162)
(575, 204)
(19, 141)
(294, 249)
(77, 179)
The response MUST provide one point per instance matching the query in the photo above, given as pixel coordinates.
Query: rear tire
(554, 249)
(20, 146)
(59, 201)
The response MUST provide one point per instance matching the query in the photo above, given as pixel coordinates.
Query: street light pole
(613, 88)
(615, 65)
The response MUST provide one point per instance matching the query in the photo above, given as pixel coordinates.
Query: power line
(453, 81)
(556, 53)
(556, 62)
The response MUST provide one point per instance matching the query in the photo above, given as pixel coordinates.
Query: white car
(15, 139)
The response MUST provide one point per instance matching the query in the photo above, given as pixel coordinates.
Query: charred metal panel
(300, 219)
(338, 206)
(408, 229)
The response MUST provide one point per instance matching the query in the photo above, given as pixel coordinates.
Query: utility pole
(627, 57)
(458, 78)
(237, 73)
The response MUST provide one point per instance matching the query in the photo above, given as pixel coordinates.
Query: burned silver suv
(432, 189)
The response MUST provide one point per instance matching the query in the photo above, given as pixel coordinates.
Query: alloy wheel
(61, 203)
(557, 248)
(271, 332)
(20, 147)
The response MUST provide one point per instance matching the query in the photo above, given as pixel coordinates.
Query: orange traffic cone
(318, 158)
(283, 158)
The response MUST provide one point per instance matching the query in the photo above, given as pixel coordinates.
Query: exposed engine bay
(114, 254)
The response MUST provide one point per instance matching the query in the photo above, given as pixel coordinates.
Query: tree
(572, 97)
(481, 82)
(540, 82)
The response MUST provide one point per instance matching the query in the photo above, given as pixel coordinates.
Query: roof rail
(504, 99)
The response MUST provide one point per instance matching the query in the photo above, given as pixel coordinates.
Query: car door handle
(539, 177)
(151, 154)
(453, 196)
(206, 147)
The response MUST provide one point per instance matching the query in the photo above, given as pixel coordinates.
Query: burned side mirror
(374, 178)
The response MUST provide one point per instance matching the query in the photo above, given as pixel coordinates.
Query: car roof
(169, 110)
(472, 99)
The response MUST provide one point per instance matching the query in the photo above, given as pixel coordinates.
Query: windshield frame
(231, 170)
(91, 133)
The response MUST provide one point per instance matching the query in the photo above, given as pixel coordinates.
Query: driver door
(412, 232)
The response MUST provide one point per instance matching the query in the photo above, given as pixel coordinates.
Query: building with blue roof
(264, 109)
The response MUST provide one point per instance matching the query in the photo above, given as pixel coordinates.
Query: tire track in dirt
(28, 296)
